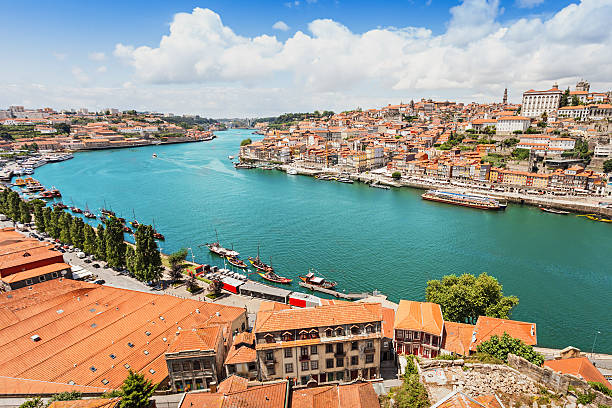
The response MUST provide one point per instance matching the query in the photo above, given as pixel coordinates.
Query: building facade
(536, 103)
(418, 328)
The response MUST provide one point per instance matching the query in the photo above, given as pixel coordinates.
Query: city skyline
(218, 60)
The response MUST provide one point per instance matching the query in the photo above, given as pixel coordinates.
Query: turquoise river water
(364, 238)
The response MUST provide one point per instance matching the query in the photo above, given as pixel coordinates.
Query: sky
(259, 58)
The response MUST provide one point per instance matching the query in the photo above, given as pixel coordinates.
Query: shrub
(246, 142)
(500, 347)
(600, 387)
(396, 175)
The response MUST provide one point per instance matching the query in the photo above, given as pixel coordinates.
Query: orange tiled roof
(92, 334)
(330, 315)
(580, 367)
(22, 386)
(419, 316)
(388, 322)
(87, 403)
(32, 273)
(232, 383)
(457, 337)
(200, 339)
(358, 395)
(491, 326)
(458, 399)
(244, 354)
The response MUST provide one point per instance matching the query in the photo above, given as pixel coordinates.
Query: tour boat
(46, 194)
(292, 171)
(235, 261)
(382, 186)
(311, 279)
(272, 277)
(243, 166)
(345, 180)
(60, 205)
(554, 211)
(259, 264)
(55, 192)
(465, 200)
(20, 182)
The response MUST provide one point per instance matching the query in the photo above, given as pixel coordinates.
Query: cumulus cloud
(476, 54)
(528, 3)
(97, 56)
(80, 75)
(280, 25)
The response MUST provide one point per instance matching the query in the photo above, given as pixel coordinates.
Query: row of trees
(105, 244)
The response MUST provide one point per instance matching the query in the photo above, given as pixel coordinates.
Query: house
(35, 275)
(486, 327)
(242, 357)
(509, 124)
(328, 343)
(418, 328)
(580, 367)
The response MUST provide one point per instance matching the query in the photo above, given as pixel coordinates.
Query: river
(364, 238)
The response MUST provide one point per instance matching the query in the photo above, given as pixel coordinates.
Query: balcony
(304, 358)
(270, 361)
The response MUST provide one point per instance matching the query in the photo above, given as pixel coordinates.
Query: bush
(410, 394)
(396, 175)
(447, 357)
(246, 142)
(500, 347)
(607, 166)
(600, 387)
(520, 154)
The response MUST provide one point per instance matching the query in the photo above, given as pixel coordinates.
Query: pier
(347, 296)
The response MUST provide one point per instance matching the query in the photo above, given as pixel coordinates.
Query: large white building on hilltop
(535, 103)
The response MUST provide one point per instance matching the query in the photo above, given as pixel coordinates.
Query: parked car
(80, 255)
(99, 282)
(95, 265)
(87, 260)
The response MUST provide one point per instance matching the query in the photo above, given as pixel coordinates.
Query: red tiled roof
(457, 337)
(419, 316)
(490, 326)
(232, 383)
(87, 403)
(580, 367)
(32, 273)
(22, 386)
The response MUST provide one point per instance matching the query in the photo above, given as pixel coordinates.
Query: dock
(347, 296)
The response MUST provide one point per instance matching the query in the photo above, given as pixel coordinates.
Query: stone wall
(554, 380)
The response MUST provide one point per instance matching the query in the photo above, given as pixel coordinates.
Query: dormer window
(287, 336)
(369, 328)
(303, 335)
(269, 338)
(314, 334)
(339, 331)
(329, 332)
(355, 330)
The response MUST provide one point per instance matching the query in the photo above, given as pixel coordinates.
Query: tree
(47, 215)
(136, 391)
(147, 261)
(192, 285)
(100, 243)
(215, 285)
(607, 166)
(520, 154)
(66, 396)
(76, 232)
(176, 263)
(54, 222)
(466, 297)
(89, 239)
(575, 101)
(565, 98)
(500, 347)
(39, 218)
(246, 142)
(411, 394)
(14, 212)
(130, 260)
(25, 216)
(62, 128)
(512, 141)
(35, 402)
(396, 175)
(113, 241)
(65, 221)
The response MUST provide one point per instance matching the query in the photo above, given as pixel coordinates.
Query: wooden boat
(105, 211)
(60, 205)
(46, 194)
(465, 200)
(89, 214)
(76, 210)
(216, 248)
(311, 279)
(20, 182)
(598, 218)
(134, 223)
(259, 264)
(158, 236)
(55, 192)
(272, 277)
(554, 211)
(235, 261)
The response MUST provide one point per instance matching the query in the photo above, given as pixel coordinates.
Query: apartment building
(509, 124)
(338, 342)
(535, 103)
(418, 328)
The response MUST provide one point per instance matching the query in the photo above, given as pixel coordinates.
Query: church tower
(505, 101)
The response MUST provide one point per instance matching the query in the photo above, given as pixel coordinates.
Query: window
(314, 350)
(93, 369)
(54, 275)
(287, 336)
(179, 386)
(369, 358)
(186, 366)
(305, 366)
(304, 380)
(176, 367)
(355, 345)
(113, 356)
(288, 353)
(196, 366)
(130, 345)
(269, 355)
(152, 371)
(355, 330)
(329, 348)
(269, 338)
(289, 367)
(369, 344)
(271, 370)
(314, 365)
(354, 360)
(206, 365)
(42, 278)
(329, 363)
(127, 366)
(339, 348)
(252, 367)
(339, 362)
(29, 282)
(105, 381)
(369, 328)
(340, 375)
(231, 368)
(199, 384)
(304, 351)
(339, 331)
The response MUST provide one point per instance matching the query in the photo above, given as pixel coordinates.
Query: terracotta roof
(330, 315)
(458, 399)
(93, 334)
(32, 273)
(264, 396)
(232, 383)
(27, 256)
(202, 400)
(388, 322)
(490, 326)
(87, 403)
(201, 339)
(243, 354)
(457, 337)
(22, 386)
(580, 367)
(419, 316)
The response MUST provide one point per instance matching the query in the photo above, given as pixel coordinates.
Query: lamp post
(593, 348)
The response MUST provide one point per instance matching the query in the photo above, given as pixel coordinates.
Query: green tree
(66, 396)
(147, 261)
(466, 297)
(55, 229)
(100, 243)
(25, 215)
(48, 217)
(130, 260)
(246, 142)
(575, 101)
(77, 232)
(115, 246)
(565, 98)
(136, 391)
(89, 239)
(520, 154)
(14, 211)
(39, 218)
(500, 347)
(62, 128)
(396, 175)
(176, 263)
(36, 402)
(411, 394)
(65, 222)
(607, 166)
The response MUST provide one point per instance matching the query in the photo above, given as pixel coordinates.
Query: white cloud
(60, 56)
(80, 75)
(280, 25)
(528, 3)
(102, 69)
(97, 56)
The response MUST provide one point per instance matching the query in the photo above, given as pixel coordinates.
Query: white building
(541, 144)
(535, 103)
(584, 112)
(509, 124)
(604, 151)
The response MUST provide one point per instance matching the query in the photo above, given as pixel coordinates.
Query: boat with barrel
(60, 205)
(464, 200)
(216, 248)
(87, 213)
(272, 277)
(237, 262)
(311, 279)
(554, 211)
(259, 264)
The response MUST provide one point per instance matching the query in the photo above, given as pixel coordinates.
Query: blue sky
(226, 58)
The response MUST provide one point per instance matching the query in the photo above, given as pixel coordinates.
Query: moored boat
(55, 192)
(311, 279)
(235, 261)
(465, 200)
(216, 248)
(259, 264)
(599, 218)
(292, 171)
(128, 230)
(554, 211)
(89, 214)
(272, 277)
(60, 205)
(158, 236)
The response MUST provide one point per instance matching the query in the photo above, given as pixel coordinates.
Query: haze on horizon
(251, 60)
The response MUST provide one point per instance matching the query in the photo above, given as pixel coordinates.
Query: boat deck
(347, 296)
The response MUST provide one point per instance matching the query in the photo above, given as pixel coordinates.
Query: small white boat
(292, 171)
(154, 155)
(230, 157)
